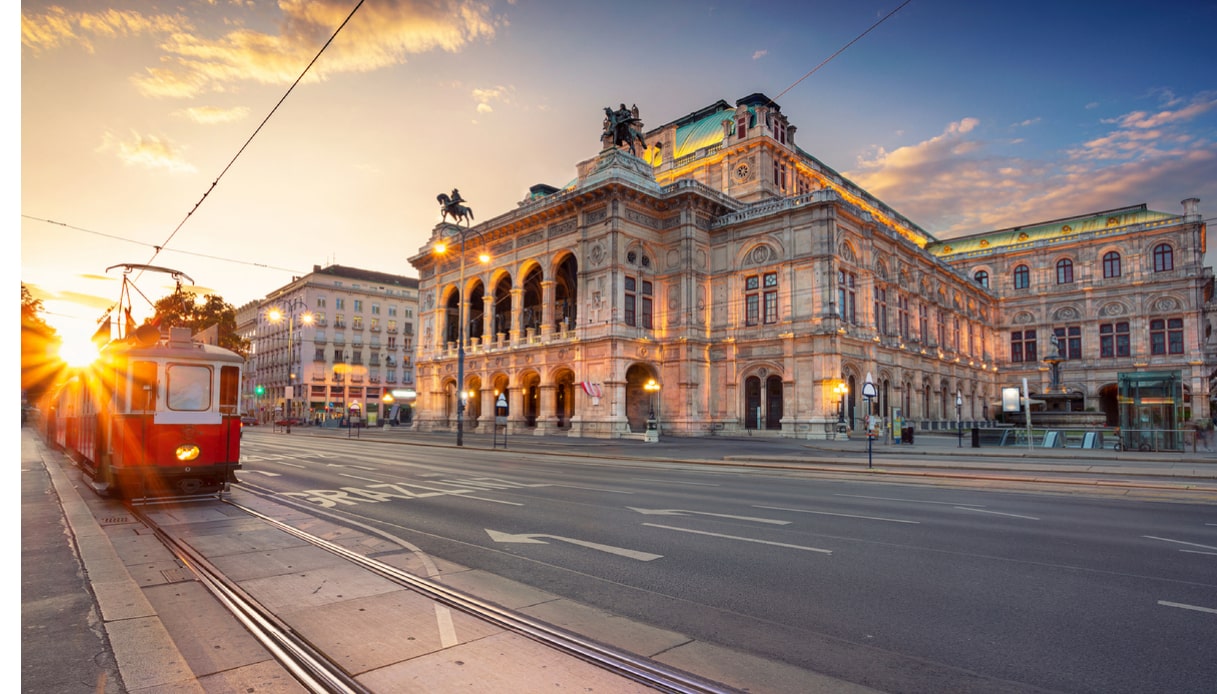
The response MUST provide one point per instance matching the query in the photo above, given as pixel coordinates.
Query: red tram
(155, 415)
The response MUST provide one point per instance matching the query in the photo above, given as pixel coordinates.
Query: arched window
(1111, 264)
(1064, 271)
(1022, 277)
(982, 278)
(1164, 257)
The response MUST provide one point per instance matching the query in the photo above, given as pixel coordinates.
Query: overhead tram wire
(159, 248)
(216, 182)
(840, 51)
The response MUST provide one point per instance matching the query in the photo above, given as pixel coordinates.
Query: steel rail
(643, 670)
(310, 667)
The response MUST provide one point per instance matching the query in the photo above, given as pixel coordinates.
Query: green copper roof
(1046, 231)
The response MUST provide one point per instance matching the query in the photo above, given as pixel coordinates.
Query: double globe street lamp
(461, 397)
(275, 315)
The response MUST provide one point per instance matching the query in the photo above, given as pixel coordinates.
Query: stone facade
(759, 290)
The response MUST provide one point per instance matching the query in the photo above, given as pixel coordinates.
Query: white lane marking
(1197, 608)
(1179, 542)
(744, 539)
(261, 472)
(1196, 551)
(357, 477)
(996, 513)
(843, 515)
(911, 501)
(493, 501)
(681, 512)
(591, 489)
(687, 484)
(531, 538)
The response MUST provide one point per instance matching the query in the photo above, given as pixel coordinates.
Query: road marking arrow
(532, 538)
(680, 512)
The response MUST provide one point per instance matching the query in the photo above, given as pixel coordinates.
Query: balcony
(356, 378)
(375, 328)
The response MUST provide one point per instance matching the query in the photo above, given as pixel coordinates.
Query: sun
(78, 352)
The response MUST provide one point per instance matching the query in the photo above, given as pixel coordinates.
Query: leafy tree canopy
(185, 309)
(40, 365)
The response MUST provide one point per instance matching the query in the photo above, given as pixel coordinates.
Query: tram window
(188, 387)
(143, 386)
(230, 383)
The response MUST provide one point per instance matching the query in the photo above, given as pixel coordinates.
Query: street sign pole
(869, 392)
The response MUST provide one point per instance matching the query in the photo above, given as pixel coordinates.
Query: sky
(171, 134)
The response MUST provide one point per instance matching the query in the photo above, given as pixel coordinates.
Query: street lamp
(483, 258)
(959, 415)
(841, 390)
(652, 387)
(275, 315)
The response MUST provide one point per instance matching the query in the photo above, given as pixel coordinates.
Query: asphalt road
(910, 588)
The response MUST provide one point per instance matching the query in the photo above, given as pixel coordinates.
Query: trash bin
(906, 434)
(975, 437)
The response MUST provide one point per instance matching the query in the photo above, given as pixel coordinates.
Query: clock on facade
(742, 171)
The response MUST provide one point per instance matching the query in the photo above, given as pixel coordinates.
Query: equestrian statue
(622, 127)
(452, 206)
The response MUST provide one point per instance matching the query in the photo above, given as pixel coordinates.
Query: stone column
(547, 414)
(547, 307)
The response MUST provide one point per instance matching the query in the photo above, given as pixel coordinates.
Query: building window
(741, 126)
(392, 311)
(1022, 277)
(340, 303)
(1064, 271)
(631, 301)
(357, 322)
(1022, 346)
(1164, 258)
(752, 300)
(375, 309)
(981, 277)
(646, 304)
(957, 334)
(1070, 341)
(1111, 265)
(321, 302)
(1166, 336)
(847, 295)
(942, 328)
(902, 316)
(1114, 340)
(771, 297)
(881, 310)
(359, 305)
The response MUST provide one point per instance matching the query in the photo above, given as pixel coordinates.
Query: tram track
(318, 673)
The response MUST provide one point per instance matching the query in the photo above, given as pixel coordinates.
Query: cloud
(57, 27)
(148, 151)
(760, 54)
(210, 115)
(484, 96)
(380, 34)
(957, 182)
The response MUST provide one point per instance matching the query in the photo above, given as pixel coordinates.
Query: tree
(40, 364)
(184, 309)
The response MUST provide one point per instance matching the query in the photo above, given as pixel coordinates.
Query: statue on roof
(622, 127)
(452, 206)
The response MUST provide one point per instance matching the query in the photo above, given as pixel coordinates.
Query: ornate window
(638, 302)
(752, 300)
(1022, 277)
(981, 277)
(1114, 340)
(1022, 346)
(881, 310)
(771, 297)
(1070, 340)
(847, 295)
(902, 316)
(1166, 335)
(1064, 271)
(1164, 257)
(1111, 265)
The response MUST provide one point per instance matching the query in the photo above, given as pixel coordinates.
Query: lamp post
(959, 415)
(276, 315)
(841, 390)
(652, 435)
(460, 336)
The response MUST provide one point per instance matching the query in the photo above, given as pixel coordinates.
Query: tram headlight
(187, 452)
